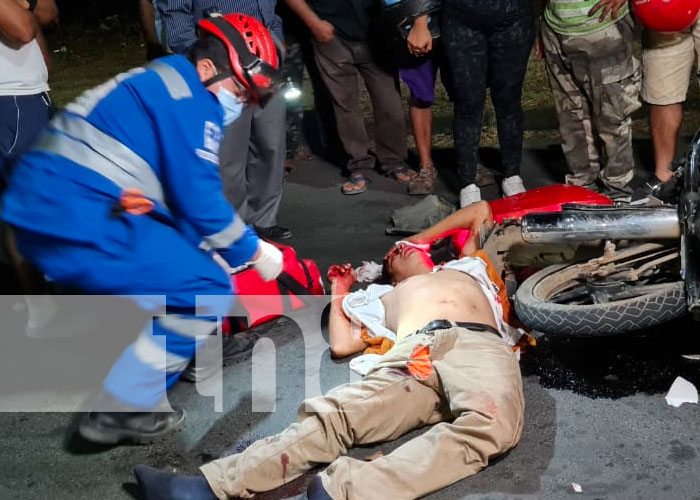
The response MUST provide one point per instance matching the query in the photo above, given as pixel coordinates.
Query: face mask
(233, 107)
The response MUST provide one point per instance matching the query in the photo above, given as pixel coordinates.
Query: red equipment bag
(267, 300)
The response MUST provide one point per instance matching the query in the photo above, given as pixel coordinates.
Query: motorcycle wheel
(594, 298)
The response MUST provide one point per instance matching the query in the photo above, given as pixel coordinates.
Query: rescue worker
(120, 195)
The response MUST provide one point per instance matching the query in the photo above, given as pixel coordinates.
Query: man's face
(232, 85)
(404, 261)
(207, 70)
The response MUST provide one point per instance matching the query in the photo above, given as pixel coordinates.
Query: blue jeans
(21, 119)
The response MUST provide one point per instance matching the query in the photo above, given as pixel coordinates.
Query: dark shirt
(352, 19)
(485, 9)
(181, 16)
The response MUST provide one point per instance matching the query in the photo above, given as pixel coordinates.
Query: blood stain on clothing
(399, 372)
(284, 458)
(492, 409)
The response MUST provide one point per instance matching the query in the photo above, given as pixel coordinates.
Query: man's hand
(419, 40)
(341, 278)
(606, 7)
(323, 31)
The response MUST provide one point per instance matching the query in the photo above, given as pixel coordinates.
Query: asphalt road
(596, 413)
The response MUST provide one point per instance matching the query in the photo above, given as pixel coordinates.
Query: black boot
(274, 233)
(315, 491)
(118, 421)
(655, 192)
(159, 485)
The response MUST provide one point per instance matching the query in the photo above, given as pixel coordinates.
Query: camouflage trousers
(595, 80)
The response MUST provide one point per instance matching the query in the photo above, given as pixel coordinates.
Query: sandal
(424, 182)
(356, 184)
(402, 173)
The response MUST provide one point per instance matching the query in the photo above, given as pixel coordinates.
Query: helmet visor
(264, 81)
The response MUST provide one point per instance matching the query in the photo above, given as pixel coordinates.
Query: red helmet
(252, 51)
(666, 15)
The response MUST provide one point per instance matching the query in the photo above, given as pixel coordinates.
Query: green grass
(85, 56)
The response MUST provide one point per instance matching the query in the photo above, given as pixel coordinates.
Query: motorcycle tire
(537, 312)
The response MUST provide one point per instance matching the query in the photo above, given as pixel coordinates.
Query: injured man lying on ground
(452, 364)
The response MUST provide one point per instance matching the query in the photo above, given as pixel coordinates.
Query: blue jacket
(156, 129)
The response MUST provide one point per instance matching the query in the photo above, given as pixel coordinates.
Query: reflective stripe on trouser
(595, 81)
(474, 395)
(148, 367)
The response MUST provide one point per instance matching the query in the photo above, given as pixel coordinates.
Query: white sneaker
(512, 185)
(468, 195)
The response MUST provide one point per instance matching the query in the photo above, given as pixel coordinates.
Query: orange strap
(527, 340)
(134, 202)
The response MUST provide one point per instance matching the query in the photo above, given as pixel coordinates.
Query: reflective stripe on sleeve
(228, 235)
(174, 82)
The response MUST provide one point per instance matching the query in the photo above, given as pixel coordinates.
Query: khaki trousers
(474, 395)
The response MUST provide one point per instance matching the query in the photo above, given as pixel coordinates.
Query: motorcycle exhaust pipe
(590, 224)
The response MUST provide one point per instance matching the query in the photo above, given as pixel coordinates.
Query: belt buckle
(436, 324)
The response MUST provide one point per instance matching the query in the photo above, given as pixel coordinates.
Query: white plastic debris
(368, 272)
(577, 487)
(681, 391)
(691, 357)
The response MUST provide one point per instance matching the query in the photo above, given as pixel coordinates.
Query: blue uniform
(157, 130)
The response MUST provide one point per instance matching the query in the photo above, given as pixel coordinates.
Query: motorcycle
(628, 268)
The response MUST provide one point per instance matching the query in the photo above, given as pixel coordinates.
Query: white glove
(269, 263)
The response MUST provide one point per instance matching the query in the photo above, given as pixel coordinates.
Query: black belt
(443, 324)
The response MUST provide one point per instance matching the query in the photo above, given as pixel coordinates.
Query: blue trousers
(21, 120)
(136, 256)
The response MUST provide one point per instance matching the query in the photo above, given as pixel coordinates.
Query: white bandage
(420, 246)
(269, 263)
